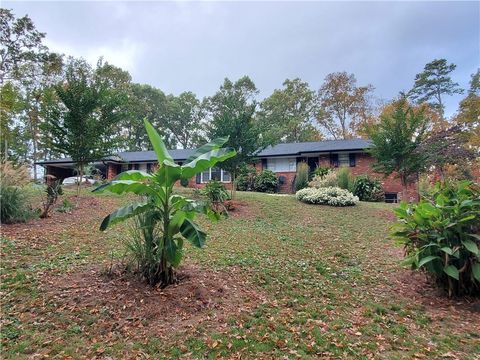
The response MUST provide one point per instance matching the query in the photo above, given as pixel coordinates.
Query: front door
(312, 163)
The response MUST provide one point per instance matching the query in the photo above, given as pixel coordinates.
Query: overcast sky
(180, 46)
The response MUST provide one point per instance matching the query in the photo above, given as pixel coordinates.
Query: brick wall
(363, 166)
(112, 171)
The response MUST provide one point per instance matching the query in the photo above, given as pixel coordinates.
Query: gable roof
(139, 156)
(286, 149)
(315, 147)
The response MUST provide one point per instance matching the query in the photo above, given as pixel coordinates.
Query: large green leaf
(206, 161)
(168, 173)
(176, 222)
(476, 271)
(470, 246)
(192, 233)
(136, 175)
(426, 260)
(476, 236)
(124, 213)
(212, 145)
(123, 186)
(157, 143)
(452, 271)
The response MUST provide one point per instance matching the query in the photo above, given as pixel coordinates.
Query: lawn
(277, 279)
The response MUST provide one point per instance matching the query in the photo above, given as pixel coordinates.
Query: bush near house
(245, 181)
(322, 181)
(301, 177)
(367, 188)
(333, 196)
(345, 179)
(266, 181)
(216, 195)
(442, 237)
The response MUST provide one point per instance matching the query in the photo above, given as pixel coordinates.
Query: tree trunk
(233, 191)
(80, 178)
(404, 182)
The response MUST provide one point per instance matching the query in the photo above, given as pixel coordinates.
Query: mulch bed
(130, 306)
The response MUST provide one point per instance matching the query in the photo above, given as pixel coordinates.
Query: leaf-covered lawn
(278, 279)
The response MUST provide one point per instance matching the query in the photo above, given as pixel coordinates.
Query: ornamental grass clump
(442, 237)
(333, 196)
(301, 177)
(164, 219)
(322, 181)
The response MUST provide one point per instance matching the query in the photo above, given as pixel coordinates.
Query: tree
(396, 139)
(287, 114)
(83, 127)
(433, 83)
(37, 89)
(469, 111)
(165, 218)
(343, 106)
(20, 42)
(446, 147)
(184, 119)
(13, 137)
(231, 111)
(144, 102)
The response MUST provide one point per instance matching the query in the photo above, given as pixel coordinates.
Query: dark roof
(277, 150)
(129, 156)
(315, 147)
(136, 156)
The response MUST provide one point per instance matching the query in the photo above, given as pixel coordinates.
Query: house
(281, 159)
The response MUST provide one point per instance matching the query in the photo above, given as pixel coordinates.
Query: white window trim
(210, 176)
(289, 160)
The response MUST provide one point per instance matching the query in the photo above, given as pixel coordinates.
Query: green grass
(325, 274)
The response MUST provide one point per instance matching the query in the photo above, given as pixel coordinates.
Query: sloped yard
(277, 279)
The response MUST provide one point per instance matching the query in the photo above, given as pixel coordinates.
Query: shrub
(13, 205)
(367, 188)
(442, 237)
(344, 179)
(166, 219)
(245, 181)
(301, 178)
(327, 180)
(216, 195)
(266, 181)
(322, 171)
(184, 182)
(333, 196)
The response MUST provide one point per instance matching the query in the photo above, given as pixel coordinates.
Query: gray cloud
(180, 46)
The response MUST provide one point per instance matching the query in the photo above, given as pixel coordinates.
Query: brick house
(281, 159)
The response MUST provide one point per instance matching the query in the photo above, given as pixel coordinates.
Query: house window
(214, 173)
(343, 160)
(282, 164)
(391, 197)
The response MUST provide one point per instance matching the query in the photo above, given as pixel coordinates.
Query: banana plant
(168, 218)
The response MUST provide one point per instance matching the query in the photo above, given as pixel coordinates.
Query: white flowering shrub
(323, 181)
(333, 196)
